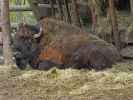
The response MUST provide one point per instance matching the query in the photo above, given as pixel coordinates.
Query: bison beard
(24, 45)
(25, 52)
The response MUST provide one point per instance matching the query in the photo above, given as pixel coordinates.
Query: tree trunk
(75, 13)
(131, 6)
(114, 22)
(34, 7)
(67, 11)
(60, 9)
(52, 8)
(7, 51)
(19, 14)
(92, 6)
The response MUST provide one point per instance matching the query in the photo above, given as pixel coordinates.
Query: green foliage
(104, 25)
(13, 2)
(100, 5)
(124, 22)
(18, 17)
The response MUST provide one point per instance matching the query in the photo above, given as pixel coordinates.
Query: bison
(78, 51)
(64, 45)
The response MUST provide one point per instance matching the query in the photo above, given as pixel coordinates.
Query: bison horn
(38, 34)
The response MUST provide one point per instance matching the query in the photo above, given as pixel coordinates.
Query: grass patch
(72, 84)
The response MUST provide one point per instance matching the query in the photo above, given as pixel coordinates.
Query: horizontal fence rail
(20, 8)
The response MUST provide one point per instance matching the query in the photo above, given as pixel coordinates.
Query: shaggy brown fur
(69, 44)
(65, 44)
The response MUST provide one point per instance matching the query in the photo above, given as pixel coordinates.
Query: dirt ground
(69, 84)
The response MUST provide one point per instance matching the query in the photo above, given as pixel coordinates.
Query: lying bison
(65, 45)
